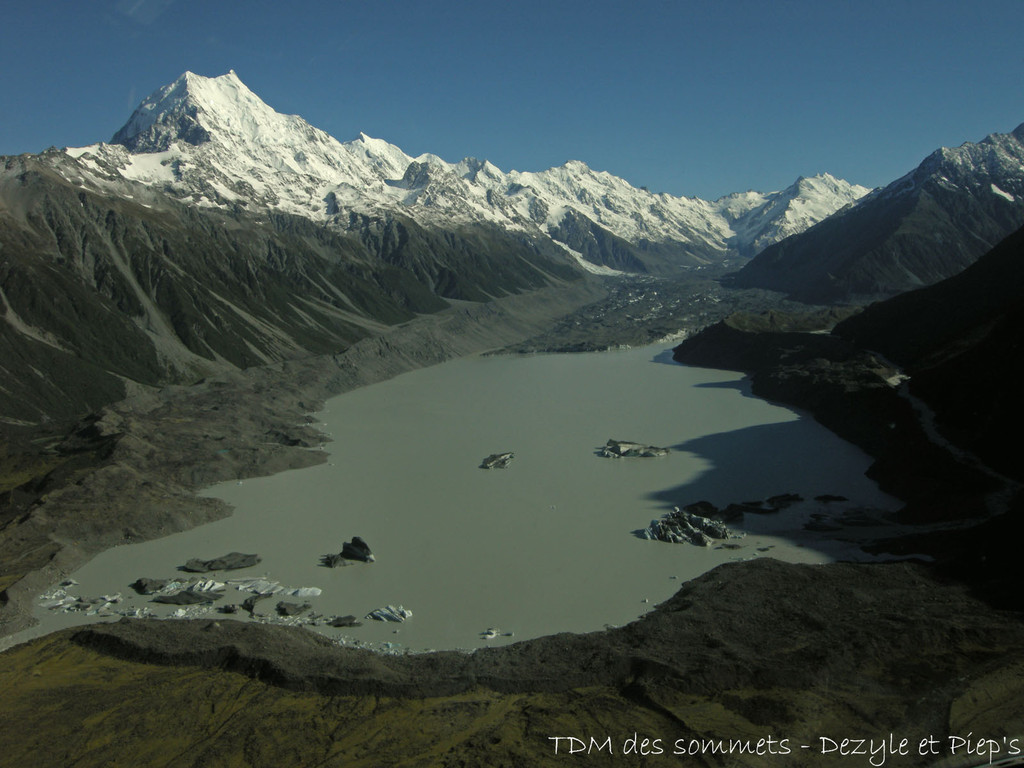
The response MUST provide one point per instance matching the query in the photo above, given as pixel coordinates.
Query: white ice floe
(267, 587)
(301, 592)
(207, 585)
(492, 632)
(390, 613)
(256, 586)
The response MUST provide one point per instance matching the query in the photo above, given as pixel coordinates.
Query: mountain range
(214, 143)
(926, 226)
(213, 232)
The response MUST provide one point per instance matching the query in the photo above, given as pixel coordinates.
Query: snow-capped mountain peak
(213, 142)
(193, 107)
(923, 227)
(798, 207)
(990, 166)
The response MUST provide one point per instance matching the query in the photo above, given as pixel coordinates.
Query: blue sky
(694, 97)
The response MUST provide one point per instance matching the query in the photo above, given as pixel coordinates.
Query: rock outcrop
(285, 608)
(186, 597)
(357, 549)
(146, 586)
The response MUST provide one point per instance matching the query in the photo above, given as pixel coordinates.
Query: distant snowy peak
(998, 154)
(163, 118)
(797, 208)
(197, 109)
(213, 142)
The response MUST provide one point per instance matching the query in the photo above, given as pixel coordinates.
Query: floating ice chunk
(492, 632)
(207, 585)
(301, 592)
(390, 613)
(57, 603)
(258, 586)
(55, 595)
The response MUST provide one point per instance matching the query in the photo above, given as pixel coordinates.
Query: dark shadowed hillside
(962, 343)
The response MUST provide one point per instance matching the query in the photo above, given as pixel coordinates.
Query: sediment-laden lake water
(543, 546)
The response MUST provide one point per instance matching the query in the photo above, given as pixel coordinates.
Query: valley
(178, 305)
(712, 659)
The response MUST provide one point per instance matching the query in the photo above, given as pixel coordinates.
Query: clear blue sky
(693, 97)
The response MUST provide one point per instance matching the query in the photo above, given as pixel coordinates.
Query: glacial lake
(546, 545)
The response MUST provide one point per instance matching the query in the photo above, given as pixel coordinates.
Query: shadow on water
(741, 385)
(796, 456)
(665, 358)
(744, 387)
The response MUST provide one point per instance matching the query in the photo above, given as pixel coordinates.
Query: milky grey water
(543, 546)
